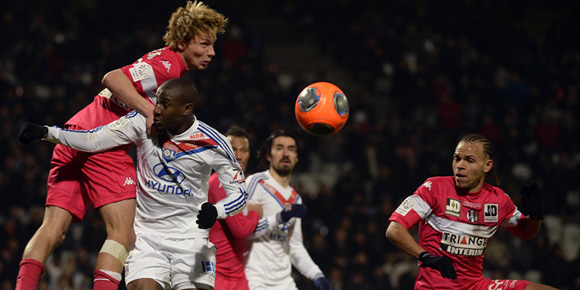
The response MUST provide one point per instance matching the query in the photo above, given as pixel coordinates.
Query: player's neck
(284, 181)
(184, 126)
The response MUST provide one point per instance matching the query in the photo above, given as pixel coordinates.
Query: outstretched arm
(120, 132)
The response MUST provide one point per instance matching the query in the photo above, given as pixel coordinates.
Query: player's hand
(30, 132)
(441, 264)
(206, 216)
(532, 203)
(322, 284)
(294, 210)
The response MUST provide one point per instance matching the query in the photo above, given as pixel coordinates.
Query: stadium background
(418, 76)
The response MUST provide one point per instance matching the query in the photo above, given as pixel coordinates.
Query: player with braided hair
(457, 215)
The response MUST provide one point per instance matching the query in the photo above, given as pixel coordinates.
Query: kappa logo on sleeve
(453, 207)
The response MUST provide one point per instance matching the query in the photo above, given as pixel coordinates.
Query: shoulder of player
(163, 60)
(201, 130)
(494, 191)
(131, 117)
(254, 179)
(438, 182)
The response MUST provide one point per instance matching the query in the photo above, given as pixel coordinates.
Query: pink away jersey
(457, 226)
(147, 74)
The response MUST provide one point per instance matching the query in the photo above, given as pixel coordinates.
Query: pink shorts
(227, 284)
(487, 284)
(77, 179)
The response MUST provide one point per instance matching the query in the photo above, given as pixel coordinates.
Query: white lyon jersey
(172, 172)
(269, 257)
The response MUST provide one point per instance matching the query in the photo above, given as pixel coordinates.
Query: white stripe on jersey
(251, 187)
(236, 204)
(442, 224)
(262, 224)
(212, 133)
(513, 220)
(420, 206)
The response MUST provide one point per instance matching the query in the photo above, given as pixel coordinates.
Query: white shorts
(173, 263)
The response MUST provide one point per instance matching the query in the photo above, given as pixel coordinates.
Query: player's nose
(211, 51)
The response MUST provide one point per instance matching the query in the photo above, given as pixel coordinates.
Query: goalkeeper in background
(107, 179)
(457, 215)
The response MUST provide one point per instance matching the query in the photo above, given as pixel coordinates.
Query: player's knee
(115, 249)
(124, 235)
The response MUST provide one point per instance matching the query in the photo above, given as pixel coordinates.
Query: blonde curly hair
(193, 20)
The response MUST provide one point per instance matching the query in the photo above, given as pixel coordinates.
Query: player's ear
(188, 109)
(488, 165)
(181, 45)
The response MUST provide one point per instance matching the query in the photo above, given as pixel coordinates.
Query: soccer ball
(321, 109)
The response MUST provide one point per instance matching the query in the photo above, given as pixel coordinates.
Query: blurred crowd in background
(425, 73)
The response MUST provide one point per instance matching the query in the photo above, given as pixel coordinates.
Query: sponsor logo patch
(473, 205)
(197, 136)
(169, 151)
(464, 245)
(168, 173)
(471, 216)
(141, 71)
(453, 207)
(406, 206)
(490, 212)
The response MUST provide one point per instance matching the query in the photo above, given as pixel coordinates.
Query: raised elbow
(108, 77)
